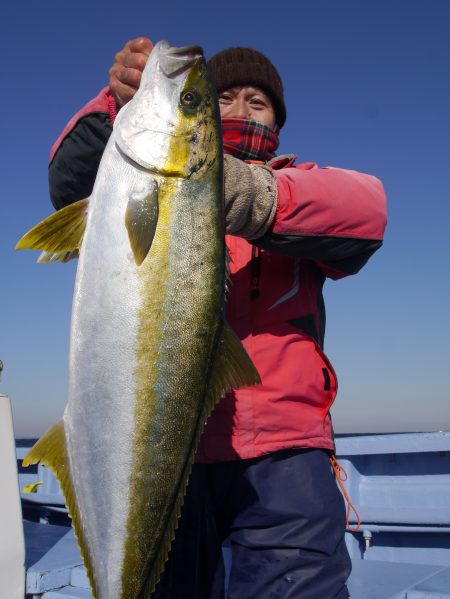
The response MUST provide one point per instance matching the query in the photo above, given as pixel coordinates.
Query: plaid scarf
(249, 140)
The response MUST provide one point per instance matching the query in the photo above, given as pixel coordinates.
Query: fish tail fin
(50, 451)
(60, 235)
(233, 368)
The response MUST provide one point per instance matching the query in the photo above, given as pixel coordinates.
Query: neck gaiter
(249, 140)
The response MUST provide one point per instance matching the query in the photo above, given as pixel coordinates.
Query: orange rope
(341, 477)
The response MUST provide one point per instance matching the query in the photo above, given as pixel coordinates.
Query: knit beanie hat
(245, 66)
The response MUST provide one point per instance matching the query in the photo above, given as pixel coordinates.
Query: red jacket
(328, 223)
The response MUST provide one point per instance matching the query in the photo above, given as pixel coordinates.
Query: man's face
(247, 102)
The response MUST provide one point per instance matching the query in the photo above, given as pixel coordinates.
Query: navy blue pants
(285, 519)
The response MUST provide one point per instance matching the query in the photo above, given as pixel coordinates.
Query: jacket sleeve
(76, 154)
(332, 216)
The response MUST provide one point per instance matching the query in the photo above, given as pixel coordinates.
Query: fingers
(118, 83)
(135, 60)
(125, 75)
(140, 45)
(126, 71)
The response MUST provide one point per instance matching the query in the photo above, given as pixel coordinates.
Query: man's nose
(240, 109)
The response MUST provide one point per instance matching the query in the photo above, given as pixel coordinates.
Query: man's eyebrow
(234, 90)
(255, 91)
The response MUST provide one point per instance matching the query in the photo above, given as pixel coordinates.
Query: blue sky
(367, 87)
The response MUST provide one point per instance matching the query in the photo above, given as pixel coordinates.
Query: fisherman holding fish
(262, 476)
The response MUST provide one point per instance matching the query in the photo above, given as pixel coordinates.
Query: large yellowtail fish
(150, 352)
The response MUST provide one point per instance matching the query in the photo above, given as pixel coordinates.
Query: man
(262, 478)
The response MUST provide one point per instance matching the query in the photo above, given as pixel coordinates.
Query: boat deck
(400, 485)
(59, 574)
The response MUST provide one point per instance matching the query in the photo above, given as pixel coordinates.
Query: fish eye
(190, 98)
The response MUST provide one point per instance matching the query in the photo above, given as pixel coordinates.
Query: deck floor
(40, 538)
(59, 574)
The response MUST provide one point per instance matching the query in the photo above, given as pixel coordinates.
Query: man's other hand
(125, 74)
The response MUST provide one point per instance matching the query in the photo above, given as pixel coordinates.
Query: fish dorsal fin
(228, 280)
(233, 368)
(59, 235)
(50, 451)
(141, 218)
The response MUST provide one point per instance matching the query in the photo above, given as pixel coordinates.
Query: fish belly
(99, 419)
(142, 349)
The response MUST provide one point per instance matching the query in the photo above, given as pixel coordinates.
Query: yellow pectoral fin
(141, 218)
(60, 235)
(233, 368)
(50, 451)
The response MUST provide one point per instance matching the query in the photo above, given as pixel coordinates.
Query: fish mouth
(192, 50)
(175, 61)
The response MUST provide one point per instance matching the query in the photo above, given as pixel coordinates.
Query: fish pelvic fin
(59, 235)
(141, 218)
(50, 451)
(47, 257)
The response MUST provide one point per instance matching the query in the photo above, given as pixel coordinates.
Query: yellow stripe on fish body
(182, 285)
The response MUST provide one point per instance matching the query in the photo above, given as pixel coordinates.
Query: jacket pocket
(330, 382)
(323, 379)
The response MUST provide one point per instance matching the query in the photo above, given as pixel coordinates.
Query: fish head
(172, 125)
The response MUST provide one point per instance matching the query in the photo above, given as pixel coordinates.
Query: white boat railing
(12, 546)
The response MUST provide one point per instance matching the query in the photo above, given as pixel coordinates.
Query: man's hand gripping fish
(150, 351)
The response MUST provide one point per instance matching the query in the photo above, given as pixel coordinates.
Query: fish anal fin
(50, 451)
(141, 218)
(60, 233)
